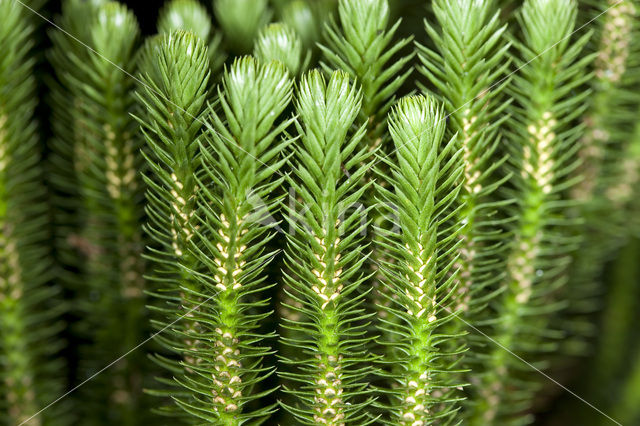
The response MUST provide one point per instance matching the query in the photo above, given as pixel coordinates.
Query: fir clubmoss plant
(175, 73)
(327, 379)
(549, 96)
(189, 15)
(62, 163)
(306, 17)
(279, 42)
(424, 179)
(603, 119)
(241, 155)
(467, 69)
(434, 257)
(29, 304)
(109, 161)
(212, 235)
(607, 162)
(364, 46)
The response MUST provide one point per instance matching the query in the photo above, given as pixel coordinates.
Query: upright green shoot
(30, 306)
(327, 378)
(549, 95)
(419, 278)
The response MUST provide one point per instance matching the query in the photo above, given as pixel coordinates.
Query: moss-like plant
(325, 256)
(241, 156)
(209, 193)
(364, 46)
(467, 69)
(279, 42)
(307, 18)
(108, 161)
(362, 43)
(425, 181)
(435, 256)
(549, 95)
(175, 73)
(29, 305)
(189, 15)
(607, 158)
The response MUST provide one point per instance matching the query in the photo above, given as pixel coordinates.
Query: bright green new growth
(241, 21)
(175, 74)
(29, 305)
(542, 143)
(241, 153)
(190, 15)
(326, 380)
(419, 275)
(363, 46)
(477, 194)
(466, 68)
(279, 42)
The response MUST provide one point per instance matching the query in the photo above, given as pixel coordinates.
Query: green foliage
(435, 257)
(241, 155)
(326, 376)
(549, 95)
(281, 43)
(307, 18)
(175, 75)
(108, 161)
(189, 15)
(608, 154)
(30, 306)
(363, 47)
(209, 225)
(241, 21)
(419, 277)
(467, 69)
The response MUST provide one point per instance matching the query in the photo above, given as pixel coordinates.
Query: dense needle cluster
(290, 212)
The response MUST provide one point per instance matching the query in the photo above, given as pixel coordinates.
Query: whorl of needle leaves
(112, 198)
(327, 380)
(243, 151)
(213, 237)
(424, 184)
